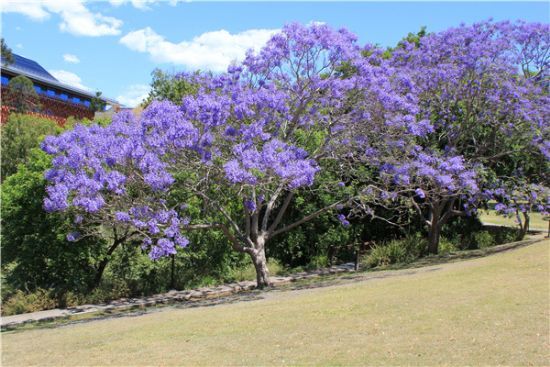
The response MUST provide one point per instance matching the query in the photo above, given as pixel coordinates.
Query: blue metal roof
(30, 67)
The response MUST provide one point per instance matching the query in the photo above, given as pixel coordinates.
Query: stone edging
(170, 297)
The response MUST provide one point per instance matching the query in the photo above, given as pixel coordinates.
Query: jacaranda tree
(311, 101)
(242, 145)
(481, 89)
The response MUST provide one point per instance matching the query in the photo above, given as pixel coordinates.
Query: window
(38, 89)
(50, 93)
(5, 80)
(64, 96)
(75, 100)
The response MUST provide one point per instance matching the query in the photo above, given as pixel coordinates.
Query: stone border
(173, 296)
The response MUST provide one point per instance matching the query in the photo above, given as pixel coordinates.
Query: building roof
(29, 67)
(34, 71)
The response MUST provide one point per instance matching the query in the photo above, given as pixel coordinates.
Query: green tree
(34, 243)
(169, 86)
(20, 134)
(21, 95)
(97, 104)
(6, 52)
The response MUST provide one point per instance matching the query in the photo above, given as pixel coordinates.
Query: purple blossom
(73, 236)
(420, 193)
(343, 220)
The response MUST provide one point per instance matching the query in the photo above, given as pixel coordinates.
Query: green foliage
(446, 246)
(34, 244)
(20, 134)
(318, 261)
(383, 255)
(397, 251)
(22, 302)
(97, 104)
(483, 239)
(166, 86)
(414, 38)
(460, 230)
(71, 122)
(21, 95)
(6, 52)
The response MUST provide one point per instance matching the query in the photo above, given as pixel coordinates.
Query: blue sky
(114, 45)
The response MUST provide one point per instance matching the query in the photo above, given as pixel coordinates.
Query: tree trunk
(524, 228)
(260, 264)
(99, 272)
(173, 272)
(103, 264)
(433, 237)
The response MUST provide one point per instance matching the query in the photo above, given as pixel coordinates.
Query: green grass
(490, 216)
(491, 310)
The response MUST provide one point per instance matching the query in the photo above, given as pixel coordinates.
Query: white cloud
(69, 78)
(70, 58)
(134, 95)
(32, 9)
(75, 17)
(211, 50)
(143, 4)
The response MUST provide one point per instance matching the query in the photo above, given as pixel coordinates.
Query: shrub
(34, 243)
(460, 231)
(383, 255)
(20, 135)
(21, 95)
(446, 246)
(317, 262)
(402, 250)
(483, 239)
(21, 302)
(415, 245)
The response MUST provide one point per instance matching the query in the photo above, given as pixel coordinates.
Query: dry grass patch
(492, 310)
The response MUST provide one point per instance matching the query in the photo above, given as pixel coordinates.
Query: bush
(392, 253)
(317, 262)
(415, 245)
(20, 135)
(21, 95)
(483, 239)
(446, 246)
(460, 231)
(35, 251)
(402, 250)
(21, 302)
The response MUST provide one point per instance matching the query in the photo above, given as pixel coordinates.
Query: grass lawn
(491, 217)
(487, 311)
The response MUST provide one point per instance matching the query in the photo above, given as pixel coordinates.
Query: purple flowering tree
(440, 187)
(517, 199)
(241, 147)
(481, 91)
